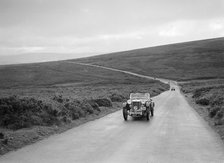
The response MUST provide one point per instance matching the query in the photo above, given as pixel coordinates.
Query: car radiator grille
(136, 105)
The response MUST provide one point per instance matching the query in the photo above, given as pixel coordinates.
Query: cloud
(85, 10)
(217, 25)
(193, 29)
(66, 44)
(176, 29)
(130, 35)
(170, 31)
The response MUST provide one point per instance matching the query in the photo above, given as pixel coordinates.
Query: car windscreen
(140, 96)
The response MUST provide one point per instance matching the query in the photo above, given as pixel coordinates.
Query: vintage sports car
(139, 105)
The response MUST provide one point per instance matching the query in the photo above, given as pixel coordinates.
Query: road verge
(206, 97)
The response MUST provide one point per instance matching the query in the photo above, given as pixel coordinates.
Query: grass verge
(207, 99)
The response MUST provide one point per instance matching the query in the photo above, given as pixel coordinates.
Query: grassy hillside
(56, 73)
(58, 83)
(38, 100)
(183, 61)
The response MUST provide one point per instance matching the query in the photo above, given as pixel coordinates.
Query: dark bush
(217, 101)
(1, 135)
(196, 94)
(58, 98)
(202, 101)
(66, 119)
(161, 89)
(63, 112)
(94, 105)
(199, 92)
(75, 116)
(208, 109)
(219, 122)
(117, 98)
(80, 112)
(213, 112)
(87, 107)
(104, 102)
(5, 141)
(219, 114)
(16, 113)
(76, 109)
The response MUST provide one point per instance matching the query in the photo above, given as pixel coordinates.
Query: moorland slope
(203, 59)
(38, 100)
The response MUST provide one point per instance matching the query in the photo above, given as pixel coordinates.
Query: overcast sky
(101, 26)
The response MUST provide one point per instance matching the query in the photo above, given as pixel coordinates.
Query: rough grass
(61, 74)
(184, 61)
(51, 106)
(55, 96)
(208, 95)
(65, 107)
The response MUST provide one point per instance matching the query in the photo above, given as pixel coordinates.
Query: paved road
(175, 134)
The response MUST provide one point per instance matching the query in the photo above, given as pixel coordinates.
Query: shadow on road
(138, 120)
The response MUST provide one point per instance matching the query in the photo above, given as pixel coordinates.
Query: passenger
(152, 105)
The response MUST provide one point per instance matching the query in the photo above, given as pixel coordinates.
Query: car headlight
(129, 102)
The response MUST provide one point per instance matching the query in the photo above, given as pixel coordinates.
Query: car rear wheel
(125, 114)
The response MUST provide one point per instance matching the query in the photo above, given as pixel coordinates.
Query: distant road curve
(123, 71)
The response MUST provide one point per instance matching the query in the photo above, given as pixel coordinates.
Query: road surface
(175, 134)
